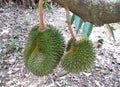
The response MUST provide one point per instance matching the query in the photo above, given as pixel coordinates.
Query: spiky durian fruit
(80, 56)
(31, 43)
(47, 52)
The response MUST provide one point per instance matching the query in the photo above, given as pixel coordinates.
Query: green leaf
(87, 29)
(36, 6)
(78, 23)
(110, 29)
(72, 18)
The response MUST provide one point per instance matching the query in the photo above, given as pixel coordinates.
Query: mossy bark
(98, 12)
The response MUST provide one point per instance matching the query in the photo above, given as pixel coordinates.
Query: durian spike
(69, 24)
(42, 26)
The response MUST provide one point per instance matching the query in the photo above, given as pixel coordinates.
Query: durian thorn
(69, 24)
(42, 25)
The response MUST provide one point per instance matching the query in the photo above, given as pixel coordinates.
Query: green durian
(48, 50)
(79, 57)
(31, 43)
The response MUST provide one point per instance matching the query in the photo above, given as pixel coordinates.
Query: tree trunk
(98, 12)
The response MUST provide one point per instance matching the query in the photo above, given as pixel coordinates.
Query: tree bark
(98, 12)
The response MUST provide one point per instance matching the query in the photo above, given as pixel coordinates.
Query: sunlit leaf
(110, 29)
(72, 17)
(87, 29)
(78, 23)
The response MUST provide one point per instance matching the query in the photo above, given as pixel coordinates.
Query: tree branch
(69, 25)
(98, 12)
(42, 26)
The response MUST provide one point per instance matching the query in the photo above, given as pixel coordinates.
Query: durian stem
(42, 26)
(69, 24)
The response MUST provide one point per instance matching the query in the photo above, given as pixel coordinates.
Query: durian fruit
(31, 43)
(79, 57)
(48, 50)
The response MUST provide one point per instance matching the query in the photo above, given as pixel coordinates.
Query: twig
(69, 24)
(42, 26)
